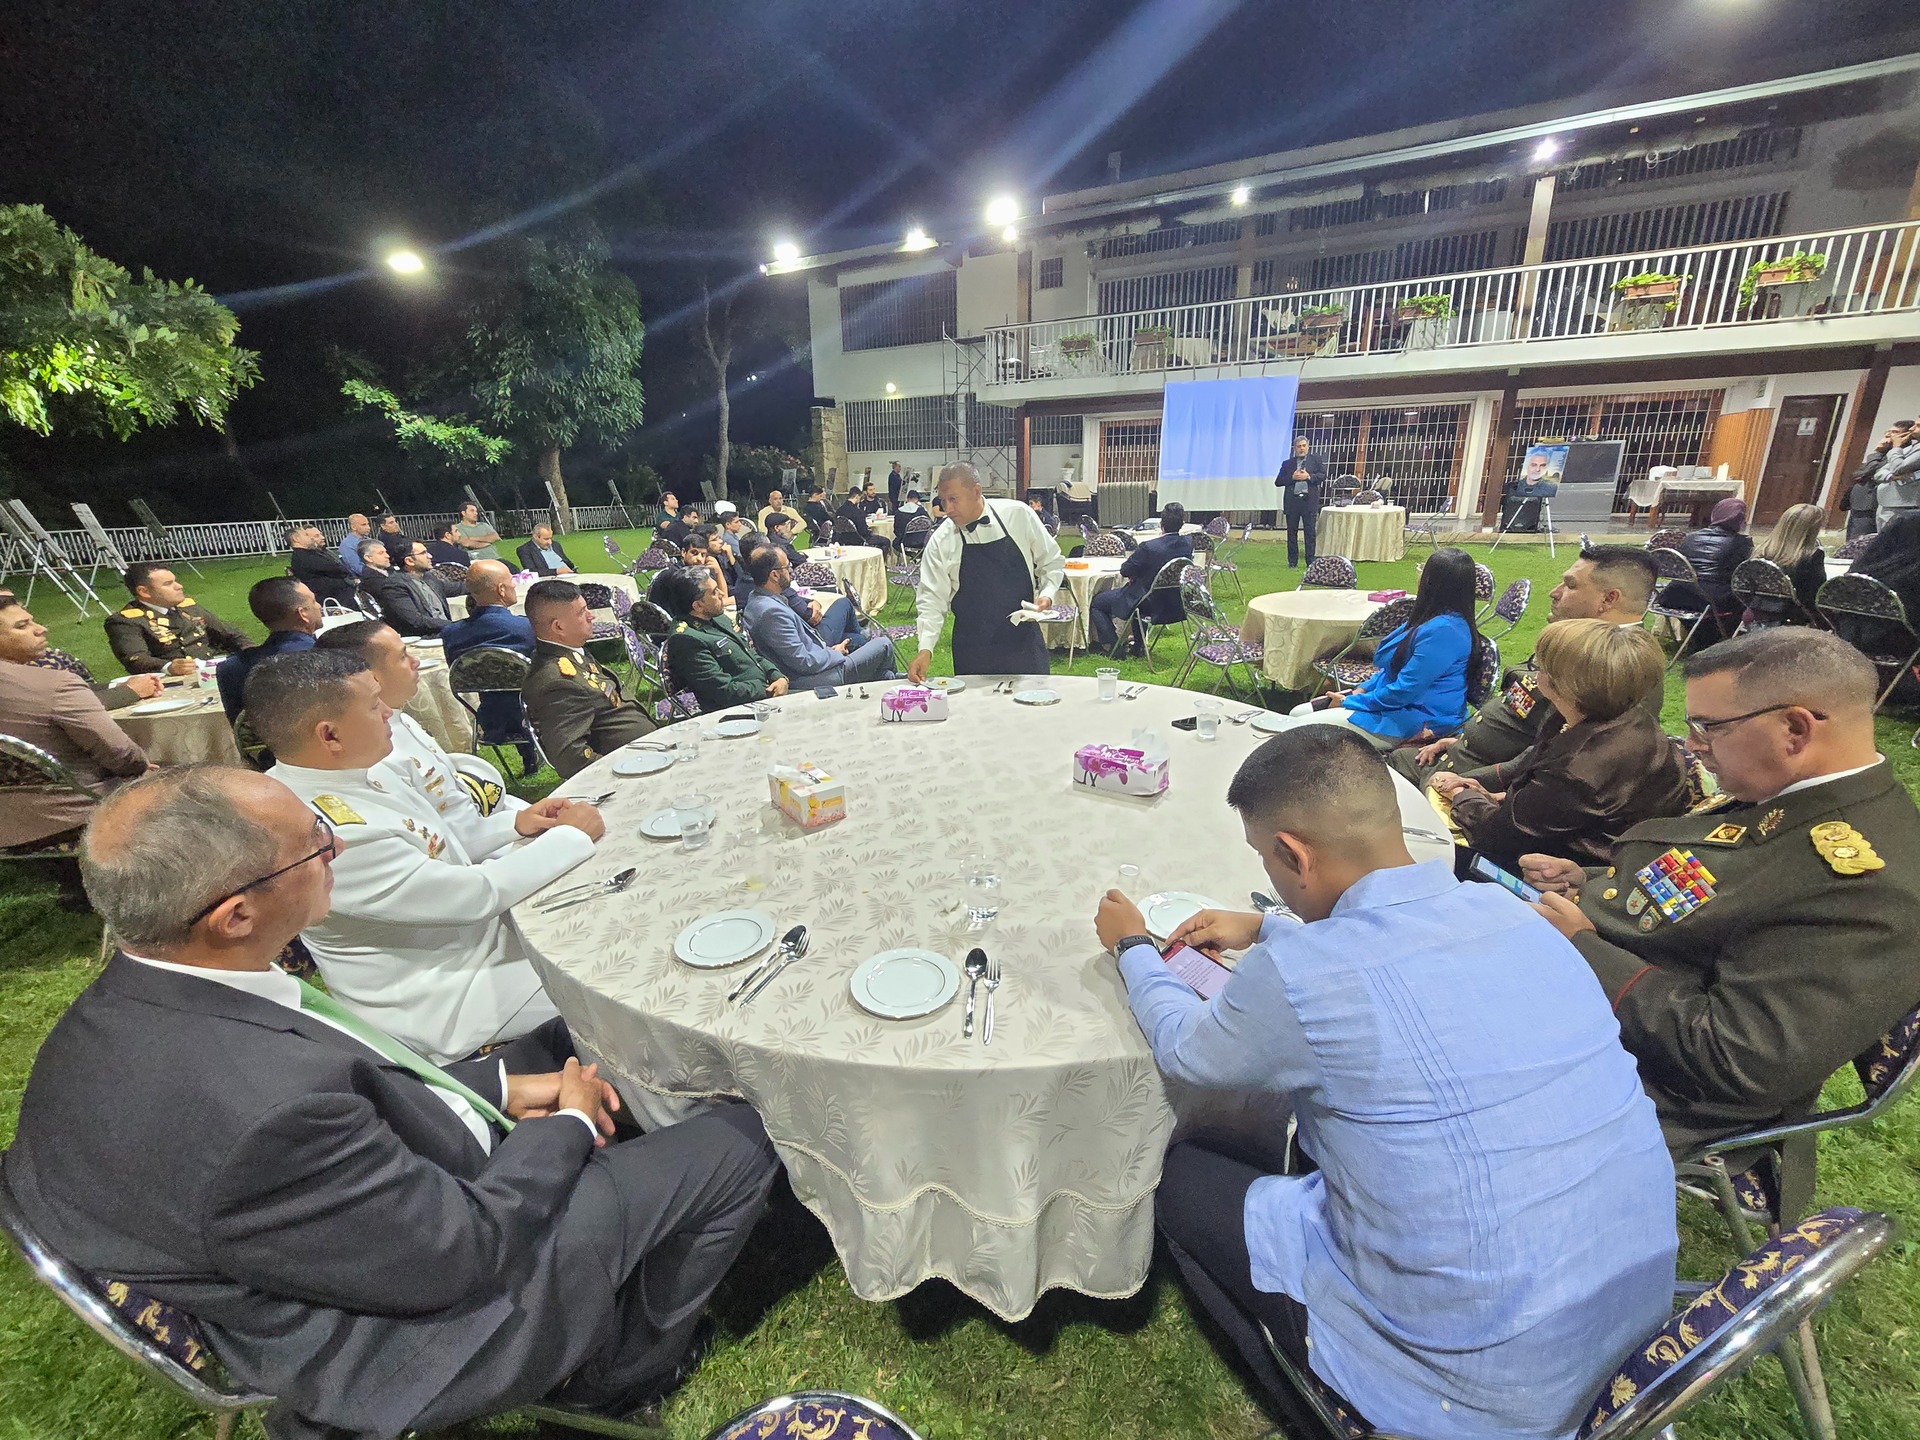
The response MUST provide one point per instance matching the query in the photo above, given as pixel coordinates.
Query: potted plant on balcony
(1323, 317)
(1802, 267)
(1438, 306)
(1150, 344)
(1078, 345)
(1646, 299)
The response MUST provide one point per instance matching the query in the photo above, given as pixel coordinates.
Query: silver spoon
(976, 972)
(573, 894)
(798, 947)
(796, 936)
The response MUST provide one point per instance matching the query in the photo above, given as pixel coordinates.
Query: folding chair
(1673, 566)
(1482, 591)
(1758, 579)
(1865, 598)
(1106, 544)
(1665, 539)
(26, 767)
(492, 670)
(819, 1415)
(894, 633)
(253, 750)
(1369, 497)
(451, 572)
(814, 575)
(1211, 640)
(1510, 607)
(1166, 581)
(54, 659)
(1346, 670)
(1345, 488)
(1206, 555)
(1329, 572)
(1853, 549)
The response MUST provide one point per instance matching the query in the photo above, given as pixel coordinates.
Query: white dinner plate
(725, 938)
(665, 824)
(165, 704)
(738, 727)
(952, 684)
(905, 984)
(642, 762)
(1167, 911)
(1037, 697)
(1272, 722)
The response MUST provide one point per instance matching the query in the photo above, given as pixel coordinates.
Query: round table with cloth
(1364, 532)
(1298, 627)
(1007, 1169)
(862, 565)
(457, 604)
(881, 525)
(1092, 576)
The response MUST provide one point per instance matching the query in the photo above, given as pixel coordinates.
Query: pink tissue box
(1385, 595)
(904, 703)
(1123, 771)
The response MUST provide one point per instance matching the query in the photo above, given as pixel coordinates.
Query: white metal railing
(1868, 270)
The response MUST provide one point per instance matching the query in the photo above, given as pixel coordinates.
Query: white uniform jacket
(463, 788)
(419, 941)
(940, 565)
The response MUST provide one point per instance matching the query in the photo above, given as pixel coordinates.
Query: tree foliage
(84, 343)
(451, 440)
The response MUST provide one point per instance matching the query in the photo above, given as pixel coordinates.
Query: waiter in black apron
(988, 559)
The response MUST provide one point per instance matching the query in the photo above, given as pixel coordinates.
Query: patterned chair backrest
(1860, 595)
(1757, 1303)
(612, 547)
(1484, 676)
(1105, 543)
(817, 1415)
(491, 667)
(60, 660)
(813, 575)
(1482, 582)
(1665, 539)
(845, 531)
(1699, 779)
(923, 525)
(1204, 547)
(1854, 548)
(1672, 565)
(622, 602)
(655, 557)
(1369, 497)
(1345, 488)
(1331, 572)
(1217, 527)
(650, 620)
(1512, 604)
(1088, 529)
(1892, 1060)
(1388, 618)
(449, 570)
(597, 596)
(1172, 574)
(1761, 579)
(253, 750)
(25, 766)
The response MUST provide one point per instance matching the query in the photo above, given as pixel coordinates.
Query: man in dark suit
(407, 594)
(671, 528)
(491, 622)
(1137, 572)
(318, 568)
(292, 617)
(543, 556)
(818, 517)
(382, 1244)
(444, 549)
(1302, 482)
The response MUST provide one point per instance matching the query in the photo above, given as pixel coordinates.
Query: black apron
(995, 581)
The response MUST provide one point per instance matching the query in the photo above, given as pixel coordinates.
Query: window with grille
(1397, 204)
(906, 422)
(1175, 287)
(989, 424)
(1759, 147)
(1436, 255)
(1129, 450)
(1263, 277)
(918, 310)
(1057, 429)
(1668, 227)
(1659, 428)
(1417, 449)
(1053, 273)
(1170, 237)
(1266, 224)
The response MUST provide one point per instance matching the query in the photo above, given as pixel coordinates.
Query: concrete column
(1494, 474)
(1534, 252)
(1473, 459)
(1861, 415)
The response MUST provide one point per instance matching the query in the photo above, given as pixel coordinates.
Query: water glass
(686, 742)
(983, 891)
(1127, 881)
(1207, 713)
(695, 813)
(1109, 678)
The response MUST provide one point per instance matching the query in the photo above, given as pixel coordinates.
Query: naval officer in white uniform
(418, 939)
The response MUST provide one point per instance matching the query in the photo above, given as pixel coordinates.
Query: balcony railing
(1868, 270)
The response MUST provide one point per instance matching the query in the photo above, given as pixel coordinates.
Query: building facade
(1731, 277)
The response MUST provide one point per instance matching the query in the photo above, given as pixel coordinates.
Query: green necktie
(328, 1008)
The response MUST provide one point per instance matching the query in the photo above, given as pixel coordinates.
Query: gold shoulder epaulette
(566, 666)
(337, 810)
(133, 612)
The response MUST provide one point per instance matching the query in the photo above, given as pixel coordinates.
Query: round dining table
(862, 566)
(1085, 578)
(1363, 532)
(1007, 1169)
(1297, 627)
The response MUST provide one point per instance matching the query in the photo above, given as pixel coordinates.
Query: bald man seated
(382, 1244)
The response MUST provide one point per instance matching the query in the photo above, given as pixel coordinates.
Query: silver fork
(993, 984)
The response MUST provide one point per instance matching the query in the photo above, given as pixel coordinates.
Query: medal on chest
(1676, 884)
(1523, 694)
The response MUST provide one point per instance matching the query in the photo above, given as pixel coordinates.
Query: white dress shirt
(940, 564)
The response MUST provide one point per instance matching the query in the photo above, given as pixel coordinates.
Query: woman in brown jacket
(1601, 763)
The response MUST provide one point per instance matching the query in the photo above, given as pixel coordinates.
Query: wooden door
(1802, 437)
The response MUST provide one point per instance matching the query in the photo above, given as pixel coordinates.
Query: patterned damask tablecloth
(1100, 573)
(1008, 1169)
(863, 565)
(1298, 627)
(1364, 532)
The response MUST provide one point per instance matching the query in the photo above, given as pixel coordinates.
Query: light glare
(918, 239)
(1546, 149)
(1002, 210)
(405, 262)
(1242, 194)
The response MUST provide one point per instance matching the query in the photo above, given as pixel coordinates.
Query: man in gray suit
(792, 644)
(382, 1244)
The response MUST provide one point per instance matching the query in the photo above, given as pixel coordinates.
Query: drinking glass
(1127, 881)
(1206, 711)
(696, 820)
(1109, 678)
(686, 744)
(983, 891)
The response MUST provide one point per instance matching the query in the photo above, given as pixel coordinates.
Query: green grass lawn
(1077, 1369)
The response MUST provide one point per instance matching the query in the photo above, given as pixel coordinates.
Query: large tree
(85, 345)
(551, 352)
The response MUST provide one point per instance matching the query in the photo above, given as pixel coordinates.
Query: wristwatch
(1127, 942)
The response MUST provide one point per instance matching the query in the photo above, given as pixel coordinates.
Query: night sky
(268, 150)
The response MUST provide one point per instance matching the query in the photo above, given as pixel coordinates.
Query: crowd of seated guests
(1793, 545)
(1715, 552)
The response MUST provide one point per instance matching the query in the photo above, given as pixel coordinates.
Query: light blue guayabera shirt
(1492, 1225)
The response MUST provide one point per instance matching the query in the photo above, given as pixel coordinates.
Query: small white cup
(1109, 679)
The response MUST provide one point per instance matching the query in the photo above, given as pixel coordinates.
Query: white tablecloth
(1009, 1169)
(1101, 573)
(1649, 491)
(863, 566)
(1363, 532)
(881, 525)
(1298, 627)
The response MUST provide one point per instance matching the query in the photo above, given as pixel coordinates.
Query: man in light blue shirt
(1491, 1226)
(359, 528)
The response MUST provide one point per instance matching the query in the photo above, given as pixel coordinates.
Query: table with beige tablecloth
(881, 525)
(862, 566)
(1363, 532)
(1099, 573)
(1297, 627)
(1007, 1169)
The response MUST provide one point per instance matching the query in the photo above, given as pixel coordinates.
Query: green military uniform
(710, 658)
(147, 639)
(1752, 950)
(577, 709)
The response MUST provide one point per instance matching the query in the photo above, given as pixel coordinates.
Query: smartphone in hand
(1201, 972)
(1484, 869)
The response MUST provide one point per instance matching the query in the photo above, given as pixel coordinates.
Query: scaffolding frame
(967, 367)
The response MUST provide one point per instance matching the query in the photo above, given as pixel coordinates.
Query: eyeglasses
(1704, 729)
(322, 831)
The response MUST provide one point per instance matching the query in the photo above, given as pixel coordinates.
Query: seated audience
(1490, 1226)
(1608, 582)
(391, 535)
(705, 654)
(59, 712)
(1601, 762)
(779, 531)
(1896, 485)
(698, 550)
(1794, 546)
(444, 549)
(868, 500)
(575, 703)
(292, 616)
(776, 505)
(316, 567)
(542, 555)
(818, 517)
(474, 535)
(408, 595)
(382, 1245)
(850, 526)
(1427, 666)
(163, 629)
(792, 644)
(1037, 501)
(909, 510)
(359, 531)
(1893, 558)
(1739, 994)
(733, 529)
(1863, 496)
(490, 622)
(833, 622)
(671, 528)
(1125, 601)
(1715, 552)
(418, 939)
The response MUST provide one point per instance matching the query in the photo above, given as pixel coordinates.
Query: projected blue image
(1223, 441)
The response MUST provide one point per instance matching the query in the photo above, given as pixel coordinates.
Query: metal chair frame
(873, 627)
(1169, 577)
(57, 777)
(1375, 627)
(1515, 598)
(1890, 610)
(1307, 582)
(1207, 624)
(494, 655)
(1673, 566)
(1758, 579)
(1206, 554)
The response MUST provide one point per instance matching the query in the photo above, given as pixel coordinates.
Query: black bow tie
(975, 525)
